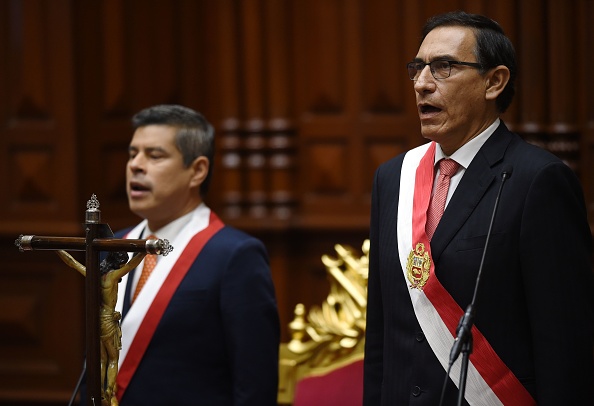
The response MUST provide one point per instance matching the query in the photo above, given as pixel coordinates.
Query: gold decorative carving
(332, 334)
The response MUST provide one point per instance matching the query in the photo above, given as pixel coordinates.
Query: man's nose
(424, 79)
(136, 163)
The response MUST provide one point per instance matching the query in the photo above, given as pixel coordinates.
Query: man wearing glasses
(531, 323)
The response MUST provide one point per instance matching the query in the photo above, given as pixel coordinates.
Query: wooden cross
(99, 237)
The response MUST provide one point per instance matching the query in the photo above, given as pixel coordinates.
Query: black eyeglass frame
(413, 65)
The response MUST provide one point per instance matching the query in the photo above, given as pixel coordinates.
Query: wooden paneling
(327, 45)
(256, 134)
(351, 90)
(547, 40)
(37, 111)
(563, 111)
(41, 320)
(583, 73)
(41, 331)
(561, 34)
(308, 97)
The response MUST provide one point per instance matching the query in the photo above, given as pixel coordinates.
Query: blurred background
(307, 97)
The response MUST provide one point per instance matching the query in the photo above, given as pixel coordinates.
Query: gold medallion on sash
(418, 266)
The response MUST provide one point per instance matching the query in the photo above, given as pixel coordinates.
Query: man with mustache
(430, 219)
(202, 328)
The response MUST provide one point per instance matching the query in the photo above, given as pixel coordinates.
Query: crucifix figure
(112, 268)
(103, 334)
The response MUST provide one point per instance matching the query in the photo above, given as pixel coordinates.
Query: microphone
(463, 341)
(506, 173)
(465, 325)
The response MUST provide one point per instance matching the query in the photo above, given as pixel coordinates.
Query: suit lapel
(479, 176)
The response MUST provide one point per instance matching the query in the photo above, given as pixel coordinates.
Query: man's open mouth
(427, 108)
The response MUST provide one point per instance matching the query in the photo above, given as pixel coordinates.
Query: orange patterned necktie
(447, 169)
(150, 261)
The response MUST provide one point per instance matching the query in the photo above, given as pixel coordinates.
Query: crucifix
(100, 289)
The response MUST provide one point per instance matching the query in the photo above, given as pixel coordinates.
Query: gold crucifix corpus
(103, 334)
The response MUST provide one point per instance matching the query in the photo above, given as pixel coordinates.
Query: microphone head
(507, 171)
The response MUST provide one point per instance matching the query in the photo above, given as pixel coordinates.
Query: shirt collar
(466, 153)
(172, 230)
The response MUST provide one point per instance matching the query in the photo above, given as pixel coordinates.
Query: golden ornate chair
(323, 362)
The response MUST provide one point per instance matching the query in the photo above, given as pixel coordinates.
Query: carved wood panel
(37, 117)
(40, 315)
(41, 320)
(308, 97)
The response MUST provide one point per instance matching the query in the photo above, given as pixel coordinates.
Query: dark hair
(493, 47)
(114, 260)
(194, 136)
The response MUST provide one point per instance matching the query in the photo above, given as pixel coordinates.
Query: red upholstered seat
(339, 387)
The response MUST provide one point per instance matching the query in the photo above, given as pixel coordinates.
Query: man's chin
(138, 209)
(428, 134)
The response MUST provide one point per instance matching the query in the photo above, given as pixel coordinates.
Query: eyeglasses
(440, 69)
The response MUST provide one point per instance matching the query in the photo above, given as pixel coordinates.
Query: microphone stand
(77, 387)
(463, 342)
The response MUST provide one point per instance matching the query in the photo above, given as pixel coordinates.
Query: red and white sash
(143, 317)
(490, 381)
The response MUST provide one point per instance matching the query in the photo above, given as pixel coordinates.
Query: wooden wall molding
(37, 117)
(307, 97)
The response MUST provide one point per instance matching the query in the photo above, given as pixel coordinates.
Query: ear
(200, 168)
(496, 79)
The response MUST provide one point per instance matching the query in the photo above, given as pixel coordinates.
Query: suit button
(416, 391)
(420, 337)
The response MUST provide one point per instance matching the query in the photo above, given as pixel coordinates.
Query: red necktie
(150, 261)
(447, 169)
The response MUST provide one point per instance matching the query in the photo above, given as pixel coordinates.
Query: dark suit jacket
(217, 342)
(535, 302)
